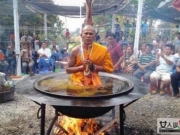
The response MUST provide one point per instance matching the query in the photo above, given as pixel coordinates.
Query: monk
(85, 62)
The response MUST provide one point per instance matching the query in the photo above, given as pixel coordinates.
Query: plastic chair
(159, 86)
(45, 65)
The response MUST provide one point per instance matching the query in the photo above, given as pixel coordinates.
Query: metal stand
(52, 123)
(43, 117)
(121, 119)
(43, 113)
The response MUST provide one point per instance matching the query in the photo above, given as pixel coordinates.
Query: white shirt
(45, 51)
(163, 66)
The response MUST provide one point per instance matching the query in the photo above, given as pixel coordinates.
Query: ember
(72, 126)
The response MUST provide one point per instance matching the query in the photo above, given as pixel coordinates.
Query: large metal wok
(120, 86)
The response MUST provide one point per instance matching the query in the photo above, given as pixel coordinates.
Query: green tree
(33, 22)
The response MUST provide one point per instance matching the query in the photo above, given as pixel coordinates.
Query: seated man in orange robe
(87, 60)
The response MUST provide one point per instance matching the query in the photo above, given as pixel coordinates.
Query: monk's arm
(99, 68)
(71, 64)
(107, 64)
(89, 20)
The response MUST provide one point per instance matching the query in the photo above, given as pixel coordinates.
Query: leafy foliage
(33, 22)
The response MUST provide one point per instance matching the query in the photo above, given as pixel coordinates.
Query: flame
(75, 126)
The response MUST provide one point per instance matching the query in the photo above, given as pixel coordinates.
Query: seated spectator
(36, 43)
(11, 59)
(177, 55)
(37, 46)
(26, 56)
(175, 78)
(64, 55)
(166, 40)
(123, 40)
(3, 64)
(44, 52)
(124, 47)
(176, 42)
(145, 64)
(164, 63)
(142, 49)
(129, 61)
(54, 50)
(2, 48)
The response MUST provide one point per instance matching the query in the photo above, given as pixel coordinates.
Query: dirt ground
(19, 117)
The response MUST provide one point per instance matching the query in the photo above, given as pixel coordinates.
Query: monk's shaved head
(88, 27)
(88, 35)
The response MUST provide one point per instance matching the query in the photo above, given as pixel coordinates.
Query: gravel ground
(19, 117)
(143, 114)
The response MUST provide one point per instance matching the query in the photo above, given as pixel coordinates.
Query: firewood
(106, 126)
(61, 129)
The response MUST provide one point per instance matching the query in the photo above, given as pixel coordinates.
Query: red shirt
(116, 52)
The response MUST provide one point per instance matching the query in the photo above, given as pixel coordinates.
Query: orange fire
(73, 126)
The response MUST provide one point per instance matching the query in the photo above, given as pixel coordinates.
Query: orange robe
(100, 57)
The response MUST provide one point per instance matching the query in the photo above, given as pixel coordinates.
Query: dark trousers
(175, 78)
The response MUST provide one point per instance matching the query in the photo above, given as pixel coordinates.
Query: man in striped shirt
(145, 64)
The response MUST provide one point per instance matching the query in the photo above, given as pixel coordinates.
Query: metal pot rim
(131, 86)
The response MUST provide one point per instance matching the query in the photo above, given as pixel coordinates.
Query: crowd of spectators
(31, 50)
(155, 61)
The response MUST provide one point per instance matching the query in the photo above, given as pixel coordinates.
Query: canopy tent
(152, 9)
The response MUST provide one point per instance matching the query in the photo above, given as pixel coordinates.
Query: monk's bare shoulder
(75, 50)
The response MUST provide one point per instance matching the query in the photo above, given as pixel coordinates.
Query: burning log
(72, 126)
(106, 126)
(59, 130)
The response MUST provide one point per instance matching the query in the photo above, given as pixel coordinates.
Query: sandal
(162, 92)
(153, 92)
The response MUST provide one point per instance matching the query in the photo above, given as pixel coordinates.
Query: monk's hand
(90, 65)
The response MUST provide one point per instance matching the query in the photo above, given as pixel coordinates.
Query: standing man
(144, 29)
(117, 29)
(26, 38)
(127, 26)
(115, 51)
